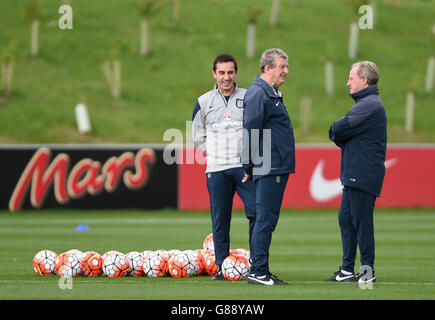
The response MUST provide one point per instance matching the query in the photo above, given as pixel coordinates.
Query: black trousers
(269, 194)
(221, 186)
(356, 226)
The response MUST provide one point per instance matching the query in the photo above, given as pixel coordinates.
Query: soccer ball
(115, 265)
(91, 264)
(208, 243)
(210, 265)
(243, 252)
(134, 259)
(156, 264)
(68, 265)
(235, 268)
(78, 252)
(181, 265)
(198, 262)
(43, 262)
(173, 252)
(108, 253)
(205, 254)
(145, 254)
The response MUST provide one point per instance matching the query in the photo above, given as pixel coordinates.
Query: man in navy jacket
(268, 157)
(362, 136)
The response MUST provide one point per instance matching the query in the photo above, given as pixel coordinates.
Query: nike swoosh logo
(338, 278)
(390, 163)
(267, 283)
(277, 104)
(322, 189)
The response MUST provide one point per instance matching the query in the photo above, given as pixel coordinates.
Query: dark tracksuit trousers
(269, 194)
(221, 186)
(356, 225)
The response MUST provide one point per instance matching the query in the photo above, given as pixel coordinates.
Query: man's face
(225, 76)
(355, 83)
(278, 74)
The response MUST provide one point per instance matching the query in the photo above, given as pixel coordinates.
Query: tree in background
(175, 10)
(112, 70)
(147, 9)
(354, 6)
(32, 13)
(274, 14)
(7, 67)
(253, 15)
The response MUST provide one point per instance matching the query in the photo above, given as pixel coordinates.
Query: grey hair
(268, 58)
(369, 70)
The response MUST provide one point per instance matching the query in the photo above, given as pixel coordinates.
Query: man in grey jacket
(217, 130)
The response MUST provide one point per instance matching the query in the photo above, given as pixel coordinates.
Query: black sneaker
(268, 280)
(338, 276)
(218, 275)
(366, 274)
(277, 281)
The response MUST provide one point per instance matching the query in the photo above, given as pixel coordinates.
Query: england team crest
(239, 103)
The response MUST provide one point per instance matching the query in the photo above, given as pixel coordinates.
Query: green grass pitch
(305, 249)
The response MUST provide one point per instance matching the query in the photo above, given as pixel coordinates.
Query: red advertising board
(410, 173)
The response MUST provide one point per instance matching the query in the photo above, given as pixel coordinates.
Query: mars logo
(87, 176)
(227, 116)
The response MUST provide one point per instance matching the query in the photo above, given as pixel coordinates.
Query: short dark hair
(225, 57)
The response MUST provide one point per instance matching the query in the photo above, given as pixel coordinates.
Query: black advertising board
(86, 177)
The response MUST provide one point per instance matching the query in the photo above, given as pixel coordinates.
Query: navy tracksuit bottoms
(269, 194)
(221, 186)
(356, 225)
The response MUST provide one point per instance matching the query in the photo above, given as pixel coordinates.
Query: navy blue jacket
(264, 109)
(362, 136)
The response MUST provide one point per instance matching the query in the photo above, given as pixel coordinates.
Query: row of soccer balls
(159, 263)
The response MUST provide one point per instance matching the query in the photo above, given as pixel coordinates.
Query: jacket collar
(266, 86)
(373, 89)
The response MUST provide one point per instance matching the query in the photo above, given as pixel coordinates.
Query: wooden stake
(410, 112)
(6, 84)
(250, 40)
(145, 42)
(116, 78)
(82, 119)
(175, 10)
(353, 40)
(112, 71)
(329, 78)
(274, 14)
(34, 39)
(374, 9)
(430, 74)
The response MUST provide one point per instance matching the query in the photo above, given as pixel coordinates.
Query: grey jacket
(217, 127)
